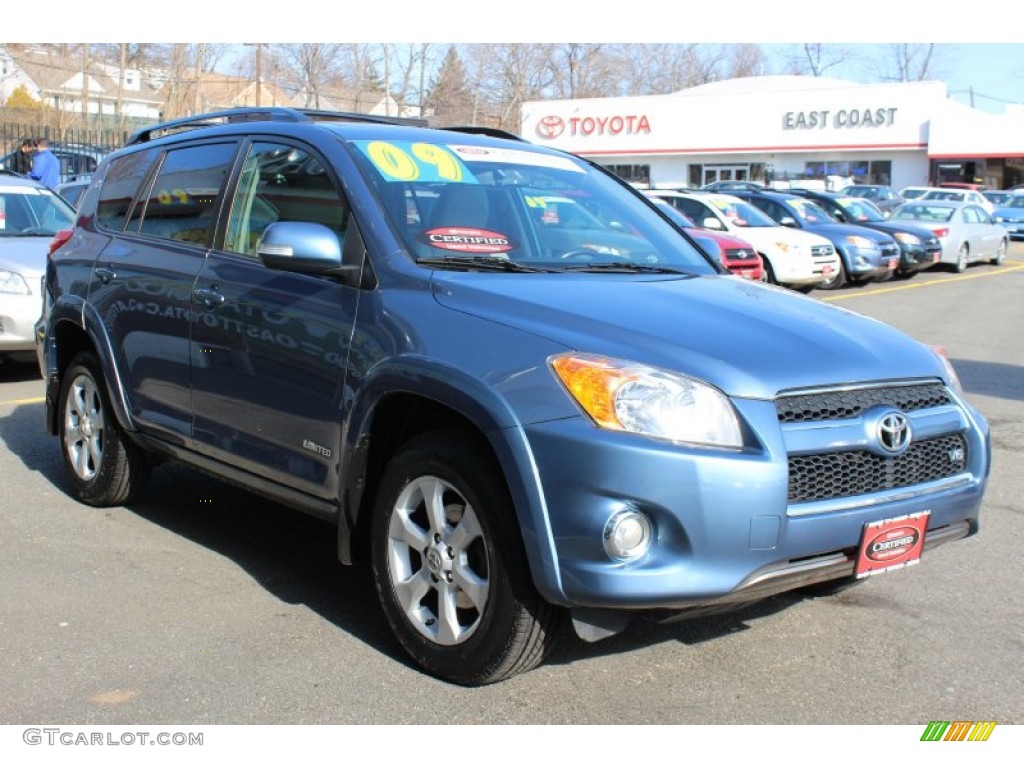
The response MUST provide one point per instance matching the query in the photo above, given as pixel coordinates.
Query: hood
(842, 231)
(748, 339)
(24, 254)
(892, 228)
(765, 236)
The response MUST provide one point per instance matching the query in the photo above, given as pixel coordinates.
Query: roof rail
(496, 133)
(253, 114)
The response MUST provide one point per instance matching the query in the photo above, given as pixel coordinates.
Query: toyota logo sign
(893, 433)
(550, 127)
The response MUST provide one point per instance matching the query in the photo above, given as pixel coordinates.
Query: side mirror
(304, 247)
(787, 221)
(712, 223)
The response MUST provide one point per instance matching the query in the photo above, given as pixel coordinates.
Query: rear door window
(185, 198)
(120, 187)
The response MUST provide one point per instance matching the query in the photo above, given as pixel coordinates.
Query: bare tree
(583, 70)
(816, 59)
(909, 62)
(308, 68)
(667, 68)
(516, 72)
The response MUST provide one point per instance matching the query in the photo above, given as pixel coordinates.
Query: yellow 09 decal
(412, 161)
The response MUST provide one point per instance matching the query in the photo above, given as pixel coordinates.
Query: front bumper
(725, 529)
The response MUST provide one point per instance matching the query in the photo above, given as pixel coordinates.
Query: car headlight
(12, 282)
(1000, 219)
(907, 239)
(787, 247)
(859, 242)
(630, 397)
(954, 379)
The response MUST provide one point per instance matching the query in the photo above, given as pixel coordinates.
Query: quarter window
(120, 186)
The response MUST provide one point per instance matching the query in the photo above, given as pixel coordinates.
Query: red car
(738, 256)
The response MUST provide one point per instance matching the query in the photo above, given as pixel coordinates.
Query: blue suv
(518, 390)
(865, 254)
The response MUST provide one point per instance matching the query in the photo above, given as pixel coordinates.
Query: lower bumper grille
(817, 477)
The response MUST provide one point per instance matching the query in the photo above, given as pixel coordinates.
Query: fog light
(627, 535)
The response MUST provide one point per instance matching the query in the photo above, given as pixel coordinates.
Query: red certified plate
(890, 544)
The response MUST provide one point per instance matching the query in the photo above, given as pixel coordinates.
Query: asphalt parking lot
(205, 604)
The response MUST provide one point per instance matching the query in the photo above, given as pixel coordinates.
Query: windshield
(31, 211)
(923, 212)
(808, 212)
(453, 202)
(859, 209)
(943, 194)
(679, 218)
(741, 214)
(868, 192)
(1015, 201)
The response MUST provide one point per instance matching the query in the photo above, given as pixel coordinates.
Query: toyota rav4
(514, 415)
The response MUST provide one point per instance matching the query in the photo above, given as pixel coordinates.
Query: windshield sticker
(415, 161)
(473, 154)
(467, 240)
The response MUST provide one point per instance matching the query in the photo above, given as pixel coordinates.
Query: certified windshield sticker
(474, 154)
(415, 161)
(467, 240)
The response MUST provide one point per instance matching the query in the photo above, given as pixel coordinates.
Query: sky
(985, 54)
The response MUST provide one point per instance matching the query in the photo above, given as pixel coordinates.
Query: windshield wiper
(626, 266)
(487, 263)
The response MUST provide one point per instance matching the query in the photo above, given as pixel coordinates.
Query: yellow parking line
(913, 286)
(26, 401)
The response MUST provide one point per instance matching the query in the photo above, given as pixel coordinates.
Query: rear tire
(449, 564)
(1000, 256)
(105, 469)
(962, 258)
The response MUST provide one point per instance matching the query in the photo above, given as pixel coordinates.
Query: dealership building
(781, 128)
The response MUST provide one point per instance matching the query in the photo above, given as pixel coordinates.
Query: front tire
(449, 564)
(104, 468)
(838, 279)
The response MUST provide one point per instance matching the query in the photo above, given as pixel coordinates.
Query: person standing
(45, 165)
(22, 160)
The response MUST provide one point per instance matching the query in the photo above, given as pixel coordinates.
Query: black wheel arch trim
(77, 312)
(497, 422)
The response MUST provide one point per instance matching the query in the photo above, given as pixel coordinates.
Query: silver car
(967, 232)
(30, 215)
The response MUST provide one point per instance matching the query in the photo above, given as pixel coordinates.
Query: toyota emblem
(550, 127)
(894, 433)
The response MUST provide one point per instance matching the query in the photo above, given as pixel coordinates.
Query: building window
(634, 174)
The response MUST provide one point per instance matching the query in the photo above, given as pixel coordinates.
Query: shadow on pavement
(1001, 380)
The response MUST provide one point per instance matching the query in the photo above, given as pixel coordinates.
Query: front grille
(845, 404)
(852, 473)
(821, 250)
(740, 254)
(891, 250)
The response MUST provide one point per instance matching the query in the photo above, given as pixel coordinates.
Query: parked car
(913, 193)
(73, 189)
(736, 255)
(962, 185)
(959, 196)
(30, 215)
(998, 197)
(726, 186)
(865, 254)
(1011, 216)
(967, 232)
(919, 247)
(884, 197)
(796, 260)
(362, 318)
(75, 159)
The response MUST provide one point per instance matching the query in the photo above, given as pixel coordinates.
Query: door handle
(209, 297)
(105, 274)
